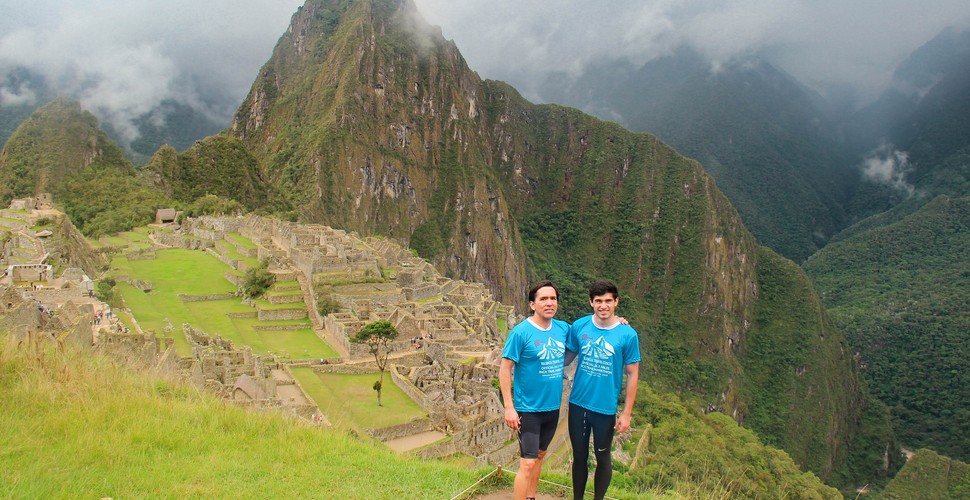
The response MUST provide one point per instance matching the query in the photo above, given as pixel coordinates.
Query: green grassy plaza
(189, 272)
(349, 401)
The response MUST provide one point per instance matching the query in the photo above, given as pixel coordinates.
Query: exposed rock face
(397, 143)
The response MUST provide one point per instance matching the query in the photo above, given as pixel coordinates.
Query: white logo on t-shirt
(599, 349)
(553, 349)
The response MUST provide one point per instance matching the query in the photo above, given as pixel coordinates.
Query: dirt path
(292, 395)
(507, 494)
(413, 441)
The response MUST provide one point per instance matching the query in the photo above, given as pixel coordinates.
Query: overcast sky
(126, 56)
(121, 58)
(820, 42)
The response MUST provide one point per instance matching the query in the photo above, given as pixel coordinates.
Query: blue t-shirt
(602, 355)
(538, 356)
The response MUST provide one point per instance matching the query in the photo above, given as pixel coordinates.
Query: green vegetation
(930, 475)
(106, 199)
(327, 304)
(377, 336)
(104, 290)
(137, 436)
(60, 150)
(346, 400)
(218, 165)
(257, 280)
(676, 448)
(174, 272)
(211, 204)
(899, 292)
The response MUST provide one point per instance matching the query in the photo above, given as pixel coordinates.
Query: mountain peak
(54, 144)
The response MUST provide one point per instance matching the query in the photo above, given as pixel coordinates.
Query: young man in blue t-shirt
(606, 349)
(533, 356)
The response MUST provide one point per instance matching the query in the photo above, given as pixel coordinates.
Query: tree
(378, 336)
(257, 280)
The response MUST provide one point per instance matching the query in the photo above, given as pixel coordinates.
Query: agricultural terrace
(175, 272)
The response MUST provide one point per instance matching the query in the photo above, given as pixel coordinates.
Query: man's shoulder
(582, 322)
(560, 324)
(523, 326)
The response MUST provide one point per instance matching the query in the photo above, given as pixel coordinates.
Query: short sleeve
(513, 346)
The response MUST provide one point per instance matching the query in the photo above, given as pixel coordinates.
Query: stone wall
(58, 295)
(200, 298)
(178, 240)
(401, 430)
(281, 314)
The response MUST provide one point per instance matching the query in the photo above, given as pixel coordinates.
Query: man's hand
(622, 423)
(512, 419)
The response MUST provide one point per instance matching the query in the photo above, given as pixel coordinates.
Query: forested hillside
(897, 282)
(899, 293)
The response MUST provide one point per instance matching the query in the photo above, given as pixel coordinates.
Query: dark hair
(603, 287)
(535, 288)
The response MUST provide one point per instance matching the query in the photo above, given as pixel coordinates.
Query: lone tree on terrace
(378, 337)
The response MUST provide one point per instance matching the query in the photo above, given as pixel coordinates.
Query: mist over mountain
(771, 143)
(150, 72)
(896, 282)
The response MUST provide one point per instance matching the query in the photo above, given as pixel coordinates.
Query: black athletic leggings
(582, 423)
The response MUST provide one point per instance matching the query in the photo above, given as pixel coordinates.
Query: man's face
(604, 306)
(546, 303)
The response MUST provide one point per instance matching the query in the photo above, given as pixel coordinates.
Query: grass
(176, 271)
(349, 401)
(234, 254)
(241, 240)
(78, 426)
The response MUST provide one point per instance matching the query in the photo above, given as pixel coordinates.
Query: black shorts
(536, 430)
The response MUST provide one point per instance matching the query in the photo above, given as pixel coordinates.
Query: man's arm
(570, 356)
(632, 379)
(505, 384)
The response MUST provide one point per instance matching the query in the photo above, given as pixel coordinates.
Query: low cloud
(888, 166)
(123, 58)
(826, 44)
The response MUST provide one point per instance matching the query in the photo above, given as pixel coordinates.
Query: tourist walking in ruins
(607, 348)
(533, 358)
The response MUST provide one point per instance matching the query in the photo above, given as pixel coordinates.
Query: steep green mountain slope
(768, 141)
(372, 122)
(899, 292)
(218, 165)
(60, 149)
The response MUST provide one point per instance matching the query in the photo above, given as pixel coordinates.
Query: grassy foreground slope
(76, 425)
(79, 426)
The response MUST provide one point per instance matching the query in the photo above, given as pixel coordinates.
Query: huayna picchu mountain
(60, 150)
(371, 121)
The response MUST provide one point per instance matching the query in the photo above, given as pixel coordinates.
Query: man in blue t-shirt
(606, 349)
(533, 357)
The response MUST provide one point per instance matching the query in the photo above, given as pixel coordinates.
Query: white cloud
(821, 42)
(122, 58)
(888, 166)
